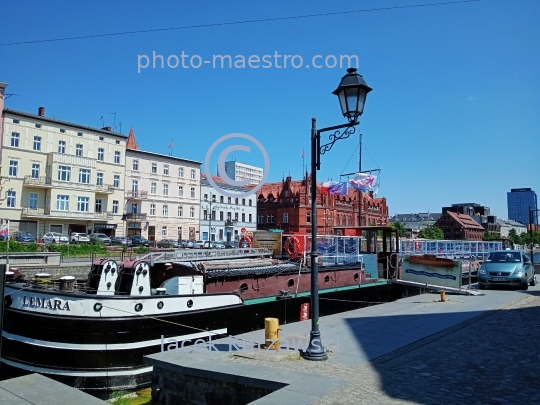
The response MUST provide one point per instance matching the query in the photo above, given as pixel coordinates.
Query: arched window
(308, 217)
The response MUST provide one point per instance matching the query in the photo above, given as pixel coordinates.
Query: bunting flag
(363, 182)
(4, 230)
(334, 187)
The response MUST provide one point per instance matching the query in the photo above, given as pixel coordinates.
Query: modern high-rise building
(520, 202)
(240, 171)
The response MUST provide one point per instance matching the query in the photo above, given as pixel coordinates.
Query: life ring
(245, 239)
(292, 247)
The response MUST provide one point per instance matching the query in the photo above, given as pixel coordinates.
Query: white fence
(448, 248)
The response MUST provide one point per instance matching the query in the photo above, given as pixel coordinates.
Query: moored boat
(431, 260)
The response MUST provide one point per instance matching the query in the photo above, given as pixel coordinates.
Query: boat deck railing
(448, 248)
(178, 256)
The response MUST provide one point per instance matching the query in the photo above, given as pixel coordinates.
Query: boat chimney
(42, 280)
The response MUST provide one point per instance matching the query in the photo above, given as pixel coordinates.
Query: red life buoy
(245, 239)
(292, 247)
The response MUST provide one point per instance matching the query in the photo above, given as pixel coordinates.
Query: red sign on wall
(243, 230)
(304, 311)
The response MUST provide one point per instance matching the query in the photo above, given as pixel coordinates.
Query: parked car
(100, 238)
(230, 244)
(218, 245)
(23, 237)
(186, 243)
(121, 240)
(54, 237)
(168, 243)
(79, 237)
(3, 237)
(198, 244)
(138, 240)
(510, 268)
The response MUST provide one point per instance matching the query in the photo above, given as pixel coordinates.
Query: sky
(453, 116)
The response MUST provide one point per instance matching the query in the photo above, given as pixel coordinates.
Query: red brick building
(459, 227)
(287, 205)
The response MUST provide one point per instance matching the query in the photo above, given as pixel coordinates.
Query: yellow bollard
(443, 296)
(271, 333)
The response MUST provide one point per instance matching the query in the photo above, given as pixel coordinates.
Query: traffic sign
(243, 230)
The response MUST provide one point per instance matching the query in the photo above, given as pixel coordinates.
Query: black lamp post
(532, 211)
(352, 93)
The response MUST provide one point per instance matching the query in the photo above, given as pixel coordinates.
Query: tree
(488, 235)
(400, 227)
(513, 236)
(431, 232)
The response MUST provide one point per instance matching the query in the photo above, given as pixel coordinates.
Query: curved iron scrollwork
(336, 136)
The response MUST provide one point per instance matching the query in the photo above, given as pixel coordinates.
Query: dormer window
(271, 198)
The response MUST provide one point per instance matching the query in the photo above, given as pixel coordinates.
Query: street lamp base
(315, 350)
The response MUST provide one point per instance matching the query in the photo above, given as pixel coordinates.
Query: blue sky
(453, 117)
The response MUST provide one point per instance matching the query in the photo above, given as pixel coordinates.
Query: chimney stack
(41, 111)
(106, 128)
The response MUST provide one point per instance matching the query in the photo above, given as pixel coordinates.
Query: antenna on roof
(8, 95)
(102, 122)
(114, 121)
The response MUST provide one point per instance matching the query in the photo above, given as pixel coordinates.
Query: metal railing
(448, 248)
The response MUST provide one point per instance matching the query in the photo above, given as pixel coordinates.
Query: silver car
(510, 268)
(79, 237)
(100, 237)
(54, 237)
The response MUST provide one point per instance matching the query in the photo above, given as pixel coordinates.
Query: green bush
(141, 250)
(15, 246)
(79, 249)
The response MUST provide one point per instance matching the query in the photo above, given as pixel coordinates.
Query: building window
(15, 121)
(101, 154)
(99, 181)
(220, 198)
(99, 204)
(179, 232)
(236, 201)
(135, 164)
(180, 191)
(180, 211)
(270, 218)
(79, 133)
(243, 201)
(164, 230)
(165, 189)
(78, 150)
(38, 125)
(165, 170)
(35, 170)
(84, 176)
(64, 173)
(181, 172)
(11, 198)
(153, 187)
(192, 192)
(62, 131)
(221, 215)
(117, 156)
(165, 211)
(206, 197)
(154, 167)
(250, 218)
(82, 204)
(229, 216)
(134, 187)
(228, 200)
(116, 181)
(115, 207)
(15, 136)
(33, 203)
(243, 217)
(13, 168)
(101, 138)
(205, 215)
(260, 219)
(192, 174)
(308, 217)
(37, 143)
(152, 210)
(62, 202)
(61, 146)
(249, 202)
(192, 212)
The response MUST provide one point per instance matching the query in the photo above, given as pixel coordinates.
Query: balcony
(134, 217)
(28, 212)
(48, 182)
(72, 160)
(137, 194)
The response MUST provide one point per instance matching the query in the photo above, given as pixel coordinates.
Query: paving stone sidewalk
(490, 359)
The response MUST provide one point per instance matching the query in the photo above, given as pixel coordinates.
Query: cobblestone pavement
(491, 359)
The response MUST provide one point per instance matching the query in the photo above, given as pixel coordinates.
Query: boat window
(243, 288)
(290, 283)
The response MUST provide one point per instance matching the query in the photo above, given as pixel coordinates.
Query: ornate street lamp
(352, 93)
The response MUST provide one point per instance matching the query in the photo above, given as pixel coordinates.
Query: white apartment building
(60, 176)
(162, 195)
(223, 217)
(240, 171)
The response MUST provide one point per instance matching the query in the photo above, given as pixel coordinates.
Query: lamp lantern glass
(352, 92)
